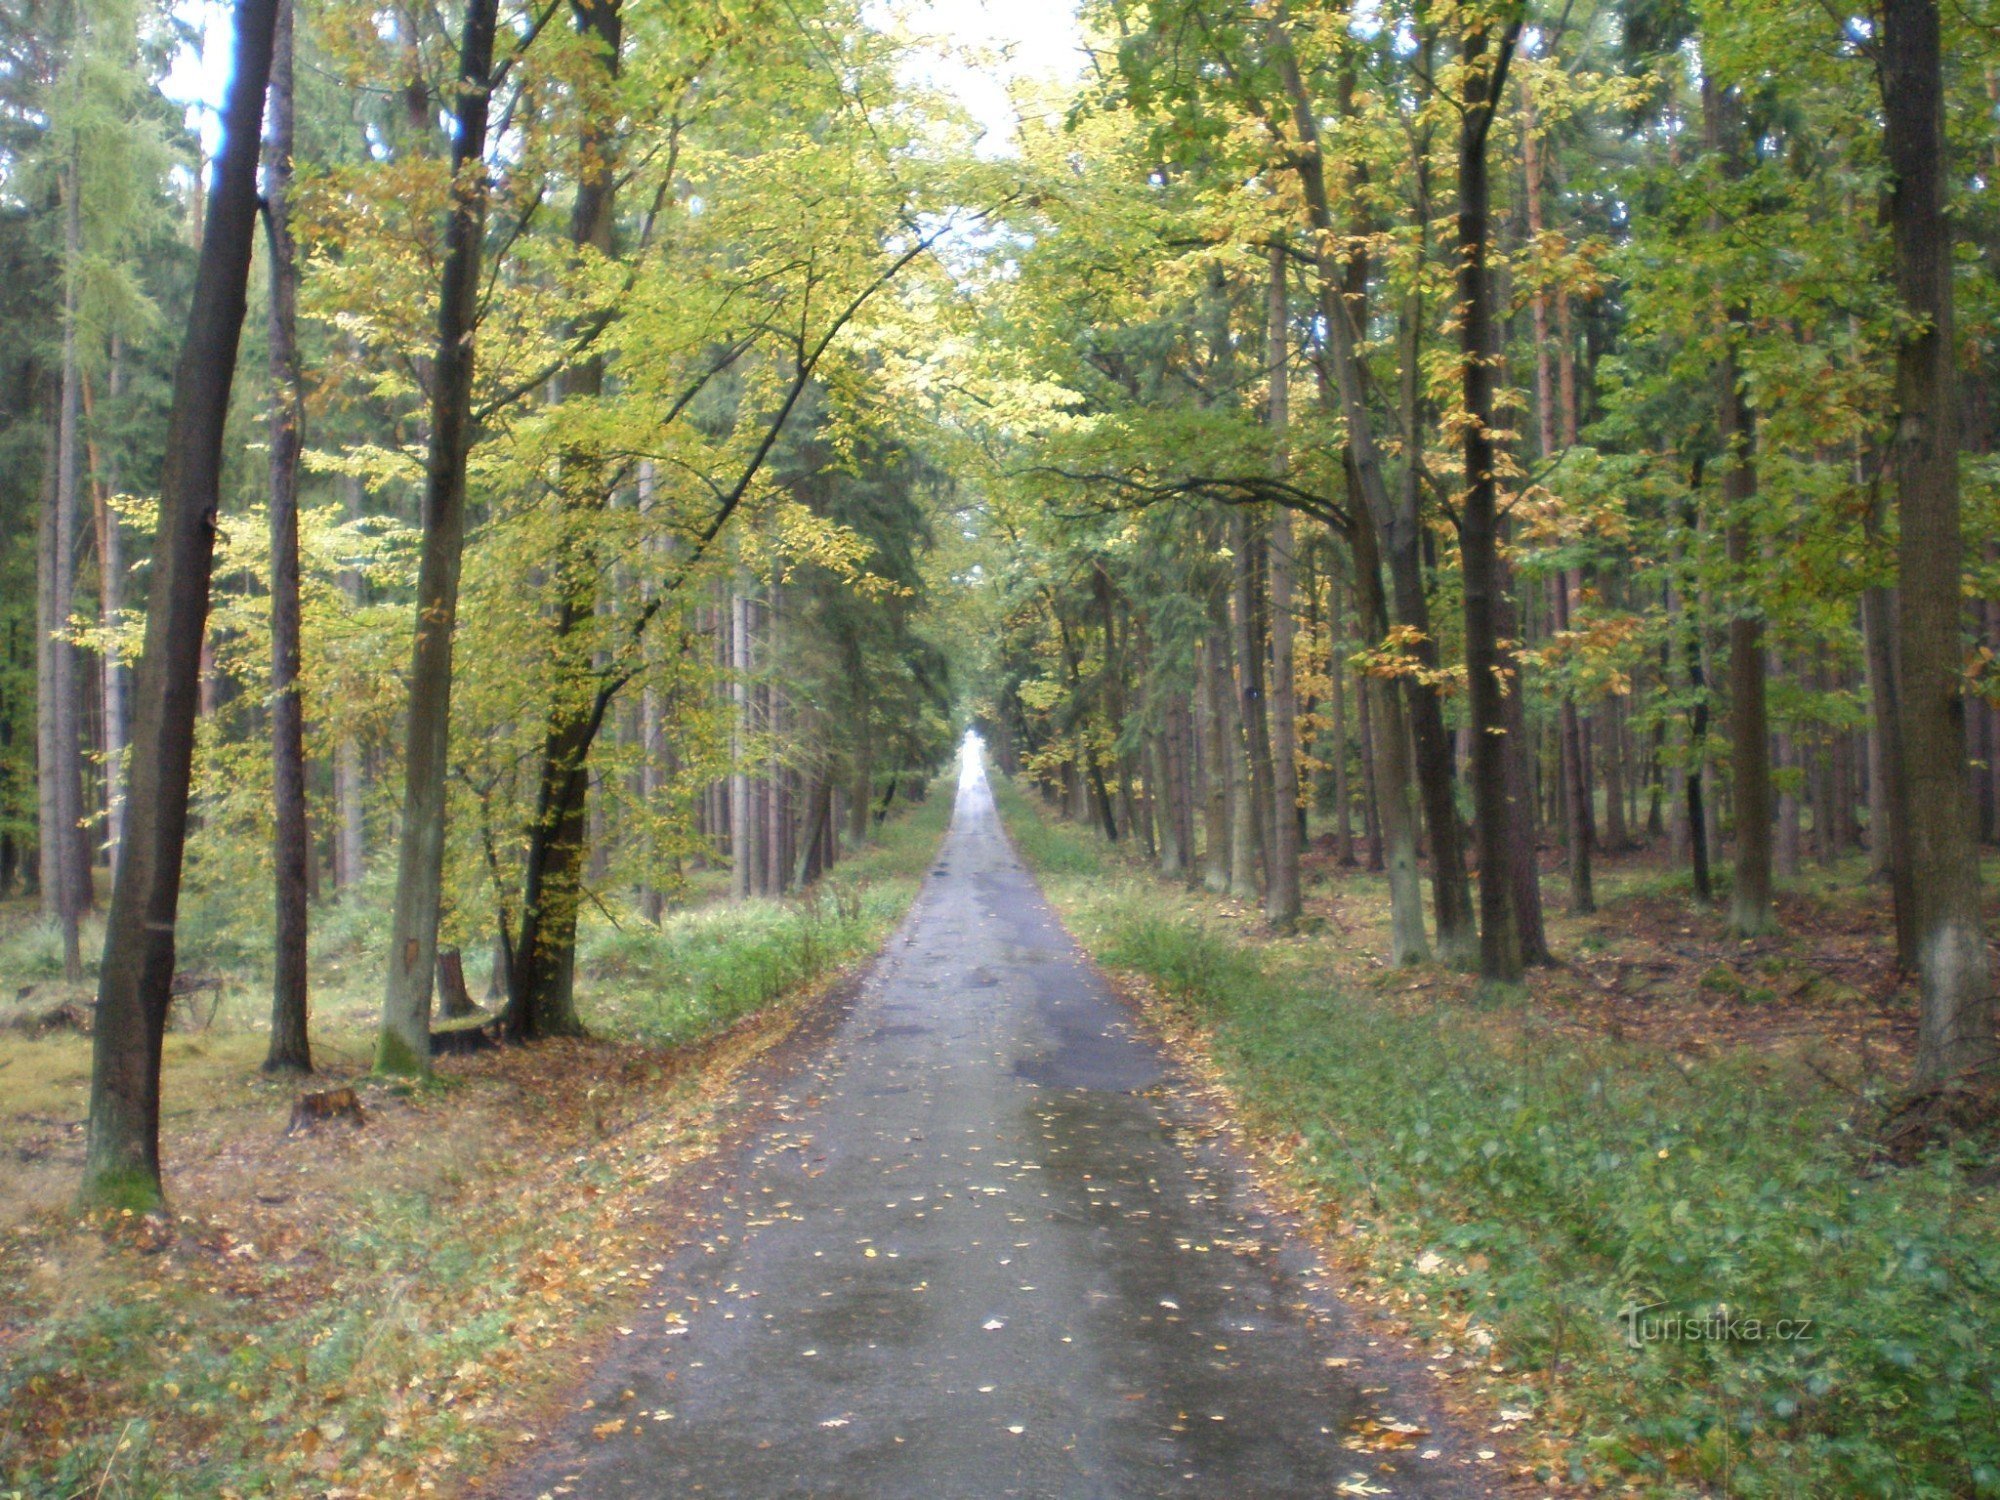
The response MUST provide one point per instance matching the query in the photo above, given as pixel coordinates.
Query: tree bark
(404, 1045)
(1390, 752)
(1397, 525)
(291, 847)
(1246, 640)
(1500, 955)
(1215, 860)
(64, 768)
(116, 683)
(743, 840)
(1282, 899)
(543, 999)
(135, 985)
(1955, 1041)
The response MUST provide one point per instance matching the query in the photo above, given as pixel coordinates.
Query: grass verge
(382, 1311)
(1510, 1187)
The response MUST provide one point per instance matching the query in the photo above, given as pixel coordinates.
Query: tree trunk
(1236, 765)
(1214, 771)
(454, 999)
(1698, 813)
(543, 999)
(135, 984)
(404, 1044)
(1399, 534)
(1282, 900)
(1955, 1041)
(743, 840)
(1500, 955)
(1246, 639)
(1888, 828)
(1390, 754)
(70, 868)
(1336, 672)
(291, 847)
(110, 606)
(350, 831)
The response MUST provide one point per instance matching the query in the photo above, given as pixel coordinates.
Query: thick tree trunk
(135, 984)
(1955, 1041)
(404, 1044)
(1500, 953)
(291, 847)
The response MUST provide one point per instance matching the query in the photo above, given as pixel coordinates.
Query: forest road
(982, 1247)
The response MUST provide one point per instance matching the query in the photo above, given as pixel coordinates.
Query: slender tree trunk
(742, 830)
(1246, 638)
(135, 984)
(65, 766)
(1336, 671)
(1242, 796)
(1397, 529)
(1698, 813)
(543, 1001)
(1955, 1041)
(110, 606)
(350, 833)
(1215, 860)
(1371, 804)
(291, 848)
(1610, 726)
(1394, 775)
(1575, 785)
(1282, 901)
(49, 845)
(404, 1044)
(1500, 955)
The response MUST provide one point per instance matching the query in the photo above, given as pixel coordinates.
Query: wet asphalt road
(981, 1249)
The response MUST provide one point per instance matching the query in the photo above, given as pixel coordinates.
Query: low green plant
(1546, 1186)
(701, 970)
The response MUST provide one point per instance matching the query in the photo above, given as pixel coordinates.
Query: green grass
(415, 1282)
(701, 970)
(1536, 1185)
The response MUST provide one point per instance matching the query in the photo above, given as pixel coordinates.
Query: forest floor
(378, 1310)
(1669, 1124)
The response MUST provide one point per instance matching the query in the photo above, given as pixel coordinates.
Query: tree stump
(314, 1110)
(454, 999)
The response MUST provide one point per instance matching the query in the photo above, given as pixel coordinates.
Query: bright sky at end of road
(970, 50)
